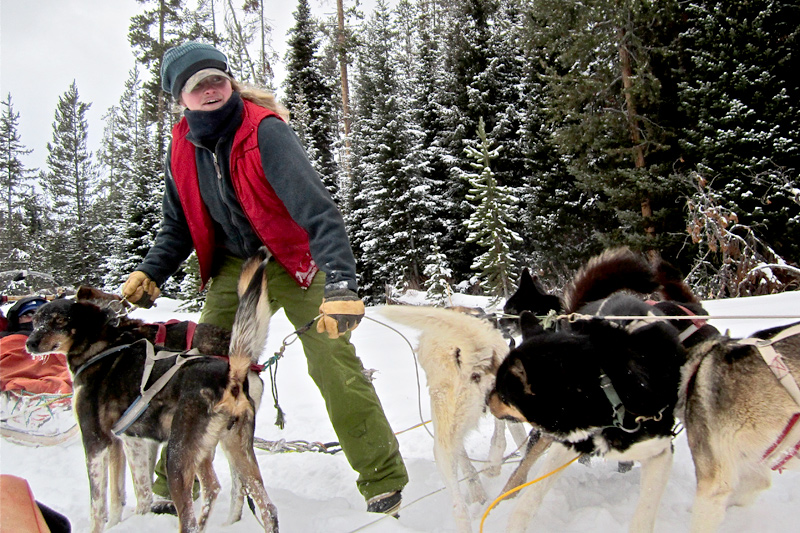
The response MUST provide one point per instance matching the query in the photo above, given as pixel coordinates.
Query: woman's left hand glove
(341, 311)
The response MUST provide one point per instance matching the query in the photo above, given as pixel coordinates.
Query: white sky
(46, 44)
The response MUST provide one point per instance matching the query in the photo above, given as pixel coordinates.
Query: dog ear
(529, 325)
(517, 370)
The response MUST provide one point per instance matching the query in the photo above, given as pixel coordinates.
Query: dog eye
(475, 377)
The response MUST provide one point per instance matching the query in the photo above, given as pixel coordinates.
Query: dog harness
(781, 451)
(141, 403)
(619, 407)
(161, 334)
(696, 323)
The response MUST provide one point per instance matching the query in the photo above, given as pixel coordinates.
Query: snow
(316, 492)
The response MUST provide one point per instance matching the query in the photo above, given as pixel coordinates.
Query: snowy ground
(316, 492)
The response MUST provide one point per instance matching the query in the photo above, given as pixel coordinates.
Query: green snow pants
(353, 406)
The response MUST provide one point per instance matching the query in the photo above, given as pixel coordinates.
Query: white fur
(460, 355)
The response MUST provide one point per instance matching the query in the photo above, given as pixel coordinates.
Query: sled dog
(460, 355)
(740, 405)
(596, 386)
(205, 401)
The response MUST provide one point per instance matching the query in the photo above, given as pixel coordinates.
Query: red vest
(269, 218)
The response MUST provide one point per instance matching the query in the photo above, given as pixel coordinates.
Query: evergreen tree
(429, 136)
(741, 97)
(14, 246)
(70, 182)
(265, 56)
(494, 209)
(611, 101)
(377, 235)
(438, 276)
(133, 189)
(306, 84)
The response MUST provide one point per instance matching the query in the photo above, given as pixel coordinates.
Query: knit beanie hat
(181, 62)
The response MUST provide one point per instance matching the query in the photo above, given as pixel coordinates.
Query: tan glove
(341, 311)
(140, 290)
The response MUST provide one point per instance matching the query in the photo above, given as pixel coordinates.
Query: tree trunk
(633, 126)
(341, 38)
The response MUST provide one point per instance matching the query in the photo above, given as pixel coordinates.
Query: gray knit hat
(181, 62)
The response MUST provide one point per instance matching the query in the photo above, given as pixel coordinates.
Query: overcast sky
(46, 44)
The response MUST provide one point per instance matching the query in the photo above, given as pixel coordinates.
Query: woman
(237, 178)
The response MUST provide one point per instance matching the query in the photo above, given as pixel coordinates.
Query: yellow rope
(413, 427)
(538, 479)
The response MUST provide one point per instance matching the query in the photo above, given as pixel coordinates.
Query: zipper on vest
(216, 166)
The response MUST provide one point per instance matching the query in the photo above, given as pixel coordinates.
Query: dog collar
(619, 407)
(98, 357)
(615, 401)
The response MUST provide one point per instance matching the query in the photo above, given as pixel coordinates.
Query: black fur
(531, 297)
(105, 389)
(553, 379)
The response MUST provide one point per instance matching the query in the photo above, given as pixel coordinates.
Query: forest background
(462, 140)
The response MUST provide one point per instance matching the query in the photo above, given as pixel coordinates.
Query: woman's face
(208, 95)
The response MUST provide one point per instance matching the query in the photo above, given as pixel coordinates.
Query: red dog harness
(781, 451)
(161, 334)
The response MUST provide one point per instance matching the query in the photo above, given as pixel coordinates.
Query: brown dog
(205, 401)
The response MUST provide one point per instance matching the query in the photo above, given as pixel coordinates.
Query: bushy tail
(250, 328)
(433, 319)
(611, 271)
(673, 286)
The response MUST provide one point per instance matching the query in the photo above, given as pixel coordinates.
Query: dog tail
(673, 287)
(469, 330)
(611, 271)
(250, 328)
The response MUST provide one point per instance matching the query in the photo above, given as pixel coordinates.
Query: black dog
(598, 386)
(598, 389)
(206, 401)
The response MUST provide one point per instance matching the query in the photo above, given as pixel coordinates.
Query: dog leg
(97, 467)
(537, 445)
(116, 484)
(531, 498)
(181, 457)
(715, 482)
(447, 462)
(475, 494)
(517, 431)
(139, 453)
(497, 448)
(237, 443)
(255, 391)
(209, 487)
(752, 480)
(654, 477)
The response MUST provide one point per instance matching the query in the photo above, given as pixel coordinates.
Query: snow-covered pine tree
(494, 207)
(741, 96)
(15, 247)
(305, 81)
(438, 276)
(427, 130)
(133, 188)
(70, 181)
(611, 102)
(265, 55)
(380, 148)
